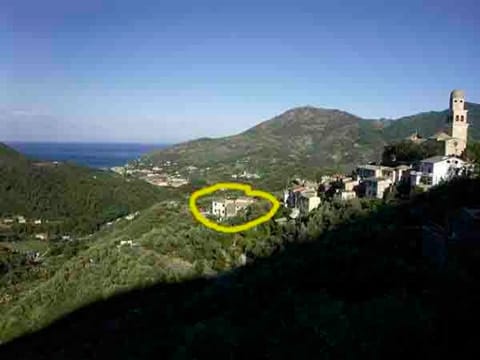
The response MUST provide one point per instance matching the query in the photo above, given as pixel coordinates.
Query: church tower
(458, 120)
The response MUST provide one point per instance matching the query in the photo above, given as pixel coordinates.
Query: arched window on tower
(462, 118)
(456, 118)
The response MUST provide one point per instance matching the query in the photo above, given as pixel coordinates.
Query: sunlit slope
(311, 136)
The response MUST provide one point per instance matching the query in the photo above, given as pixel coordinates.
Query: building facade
(436, 169)
(308, 201)
(376, 187)
(227, 208)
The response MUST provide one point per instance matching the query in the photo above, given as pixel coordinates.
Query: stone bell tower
(457, 118)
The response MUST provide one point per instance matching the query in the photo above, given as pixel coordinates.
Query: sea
(96, 155)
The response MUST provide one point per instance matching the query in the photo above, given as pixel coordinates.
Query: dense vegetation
(407, 152)
(349, 281)
(74, 199)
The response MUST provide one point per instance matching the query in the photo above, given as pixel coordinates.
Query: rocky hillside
(311, 136)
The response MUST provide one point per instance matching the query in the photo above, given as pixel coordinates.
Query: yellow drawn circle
(232, 186)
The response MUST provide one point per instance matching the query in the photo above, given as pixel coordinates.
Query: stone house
(308, 201)
(226, 208)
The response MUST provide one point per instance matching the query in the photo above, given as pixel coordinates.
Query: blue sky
(165, 71)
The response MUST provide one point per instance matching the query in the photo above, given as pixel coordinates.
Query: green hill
(77, 199)
(350, 281)
(311, 137)
(316, 137)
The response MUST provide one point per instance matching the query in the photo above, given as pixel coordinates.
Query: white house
(127, 243)
(130, 217)
(345, 195)
(436, 169)
(219, 208)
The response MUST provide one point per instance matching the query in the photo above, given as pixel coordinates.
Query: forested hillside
(349, 281)
(74, 198)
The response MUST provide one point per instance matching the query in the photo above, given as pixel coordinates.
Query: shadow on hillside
(360, 291)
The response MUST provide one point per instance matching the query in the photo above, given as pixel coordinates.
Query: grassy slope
(359, 291)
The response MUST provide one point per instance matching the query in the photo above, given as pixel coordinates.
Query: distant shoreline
(163, 144)
(92, 154)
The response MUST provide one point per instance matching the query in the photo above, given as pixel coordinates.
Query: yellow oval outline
(247, 189)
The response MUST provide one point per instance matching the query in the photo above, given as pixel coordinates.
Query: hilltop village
(374, 180)
(377, 180)
(370, 180)
(169, 174)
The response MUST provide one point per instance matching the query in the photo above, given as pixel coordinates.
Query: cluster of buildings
(302, 198)
(373, 180)
(246, 175)
(20, 219)
(8, 222)
(155, 175)
(165, 180)
(127, 243)
(128, 217)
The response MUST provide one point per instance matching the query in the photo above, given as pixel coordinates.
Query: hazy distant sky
(170, 70)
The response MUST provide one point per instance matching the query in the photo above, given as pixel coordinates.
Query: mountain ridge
(313, 136)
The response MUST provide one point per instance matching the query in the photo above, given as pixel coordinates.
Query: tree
(472, 152)
(409, 151)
